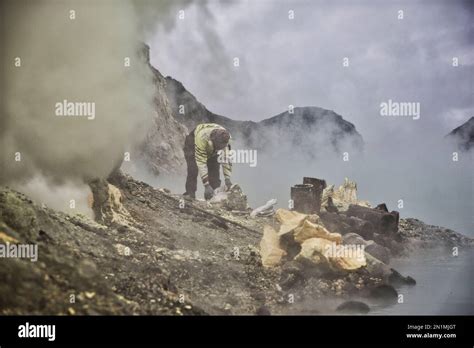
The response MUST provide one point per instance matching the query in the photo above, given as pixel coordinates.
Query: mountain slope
(305, 128)
(161, 151)
(464, 135)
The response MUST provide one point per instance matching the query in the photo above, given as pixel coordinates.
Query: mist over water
(444, 284)
(433, 187)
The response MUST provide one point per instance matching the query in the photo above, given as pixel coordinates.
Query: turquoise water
(444, 284)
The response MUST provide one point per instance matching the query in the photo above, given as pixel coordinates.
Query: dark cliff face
(464, 135)
(161, 150)
(305, 129)
(192, 111)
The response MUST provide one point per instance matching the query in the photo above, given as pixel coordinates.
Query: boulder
(107, 204)
(270, 250)
(313, 250)
(335, 222)
(377, 268)
(319, 251)
(362, 227)
(288, 243)
(307, 230)
(348, 263)
(384, 294)
(289, 220)
(383, 222)
(378, 251)
(234, 199)
(354, 238)
(291, 275)
(396, 279)
(382, 207)
(353, 307)
(295, 228)
(340, 223)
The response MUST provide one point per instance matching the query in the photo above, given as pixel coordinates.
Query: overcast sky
(299, 61)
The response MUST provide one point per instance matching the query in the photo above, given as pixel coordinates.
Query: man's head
(220, 138)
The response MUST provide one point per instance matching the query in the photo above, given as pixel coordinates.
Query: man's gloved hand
(228, 184)
(208, 192)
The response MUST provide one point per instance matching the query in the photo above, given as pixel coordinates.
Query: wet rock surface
(353, 307)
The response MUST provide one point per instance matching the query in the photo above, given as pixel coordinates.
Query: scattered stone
(90, 294)
(87, 268)
(123, 250)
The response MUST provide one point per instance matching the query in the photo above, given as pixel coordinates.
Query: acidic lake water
(444, 284)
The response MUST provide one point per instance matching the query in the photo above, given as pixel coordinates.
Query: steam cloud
(78, 60)
(74, 51)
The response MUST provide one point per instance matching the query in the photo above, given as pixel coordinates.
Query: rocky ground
(150, 252)
(416, 234)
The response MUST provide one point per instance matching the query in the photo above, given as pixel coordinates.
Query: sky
(299, 61)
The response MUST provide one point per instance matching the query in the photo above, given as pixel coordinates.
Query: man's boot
(188, 195)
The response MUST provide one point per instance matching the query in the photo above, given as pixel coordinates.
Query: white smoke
(81, 52)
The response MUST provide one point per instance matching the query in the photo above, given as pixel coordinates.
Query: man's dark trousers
(212, 166)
